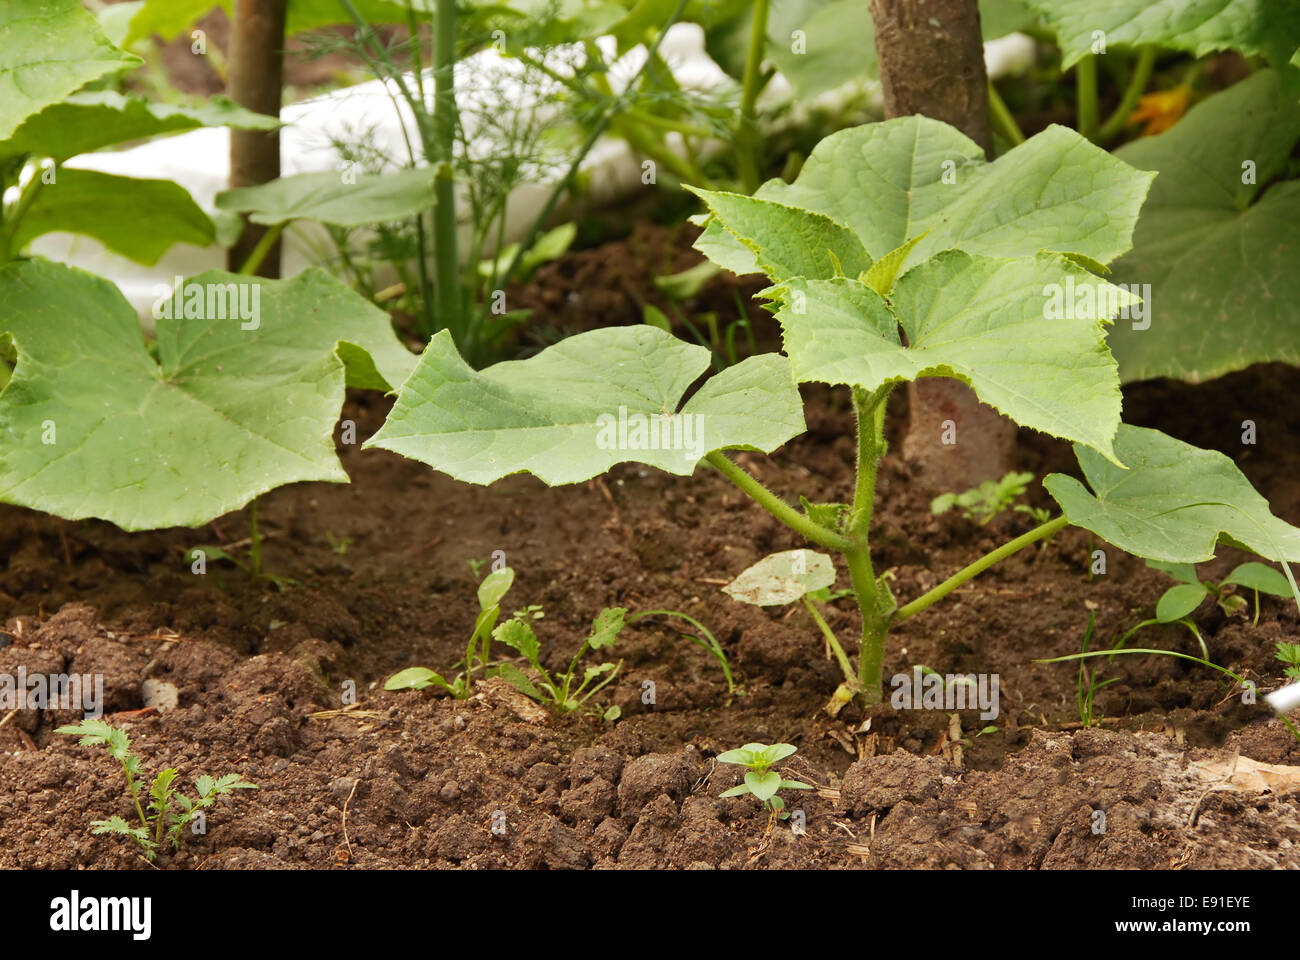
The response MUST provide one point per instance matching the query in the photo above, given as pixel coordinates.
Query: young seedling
(705, 640)
(169, 812)
(986, 501)
(761, 780)
(922, 269)
(1179, 601)
(1289, 654)
(558, 692)
(490, 593)
(796, 576)
(1290, 695)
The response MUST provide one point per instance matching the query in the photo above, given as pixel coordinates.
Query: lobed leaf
(606, 627)
(49, 49)
(222, 415)
(328, 198)
(1218, 252)
(994, 324)
(890, 182)
(140, 219)
(90, 121)
(1174, 503)
(621, 400)
(788, 241)
(519, 635)
(1253, 27)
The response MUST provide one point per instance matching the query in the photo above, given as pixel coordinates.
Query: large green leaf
(49, 49)
(1174, 503)
(328, 198)
(1220, 254)
(988, 322)
(91, 425)
(90, 121)
(892, 181)
(140, 219)
(819, 45)
(585, 404)
(1268, 28)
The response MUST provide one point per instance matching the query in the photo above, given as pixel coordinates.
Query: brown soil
(415, 780)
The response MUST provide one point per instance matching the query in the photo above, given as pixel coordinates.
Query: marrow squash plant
(898, 253)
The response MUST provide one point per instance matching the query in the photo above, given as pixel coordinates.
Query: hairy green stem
(1137, 84)
(749, 145)
(969, 572)
(769, 501)
(869, 408)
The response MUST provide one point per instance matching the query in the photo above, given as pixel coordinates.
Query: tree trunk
(255, 71)
(931, 58)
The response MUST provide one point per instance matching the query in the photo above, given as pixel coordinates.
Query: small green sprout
(169, 812)
(1289, 653)
(1179, 601)
(490, 593)
(986, 501)
(559, 692)
(338, 544)
(761, 781)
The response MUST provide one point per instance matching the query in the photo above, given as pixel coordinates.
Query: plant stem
(1003, 121)
(748, 144)
(1085, 77)
(446, 262)
(969, 572)
(831, 641)
(769, 501)
(869, 408)
(27, 196)
(259, 252)
(130, 785)
(1142, 70)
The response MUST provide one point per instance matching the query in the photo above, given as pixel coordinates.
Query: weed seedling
(1289, 654)
(989, 499)
(1179, 601)
(558, 692)
(169, 812)
(490, 593)
(761, 780)
(706, 640)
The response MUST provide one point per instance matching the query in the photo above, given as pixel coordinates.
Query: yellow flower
(1161, 110)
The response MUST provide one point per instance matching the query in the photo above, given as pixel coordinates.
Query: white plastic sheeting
(200, 159)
